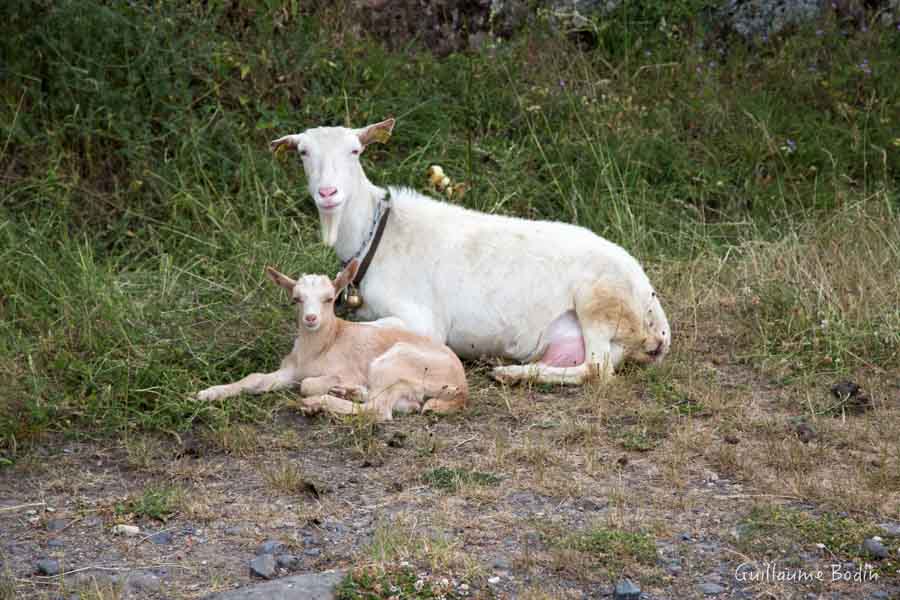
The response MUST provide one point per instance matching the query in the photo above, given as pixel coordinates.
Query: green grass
(140, 203)
(397, 583)
(782, 532)
(450, 479)
(611, 550)
(154, 502)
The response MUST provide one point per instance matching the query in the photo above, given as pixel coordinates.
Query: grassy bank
(140, 203)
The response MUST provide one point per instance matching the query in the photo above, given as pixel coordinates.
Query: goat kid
(351, 368)
(563, 300)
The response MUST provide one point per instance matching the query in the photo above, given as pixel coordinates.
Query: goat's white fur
(350, 368)
(486, 285)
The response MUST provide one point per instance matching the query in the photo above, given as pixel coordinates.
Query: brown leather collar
(370, 252)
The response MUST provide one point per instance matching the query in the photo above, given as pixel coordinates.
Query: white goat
(567, 302)
(379, 365)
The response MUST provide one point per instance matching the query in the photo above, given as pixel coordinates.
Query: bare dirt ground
(672, 477)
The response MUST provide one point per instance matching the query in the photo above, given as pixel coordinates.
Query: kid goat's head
(314, 295)
(330, 158)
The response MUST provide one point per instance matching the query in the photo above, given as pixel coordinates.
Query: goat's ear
(379, 132)
(289, 141)
(280, 279)
(345, 277)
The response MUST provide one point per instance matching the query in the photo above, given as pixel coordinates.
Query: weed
(283, 475)
(450, 479)
(398, 582)
(155, 502)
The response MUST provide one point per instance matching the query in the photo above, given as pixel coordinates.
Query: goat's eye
(355, 151)
(296, 301)
(327, 300)
(304, 152)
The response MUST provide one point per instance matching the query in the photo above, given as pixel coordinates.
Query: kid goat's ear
(346, 276)
(280, 279)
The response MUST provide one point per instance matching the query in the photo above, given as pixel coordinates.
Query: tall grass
(140, 203)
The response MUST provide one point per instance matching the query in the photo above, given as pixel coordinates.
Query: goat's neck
(356, 222)
(312, 344)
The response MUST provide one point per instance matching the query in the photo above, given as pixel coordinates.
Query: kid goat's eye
(354, 151)
(304, 152)
(327, 300)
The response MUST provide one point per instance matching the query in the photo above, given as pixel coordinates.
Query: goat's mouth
(329, 206)
(312, 326)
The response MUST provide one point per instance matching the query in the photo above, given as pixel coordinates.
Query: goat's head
(330, 158)
(657, 333)
(314, 295)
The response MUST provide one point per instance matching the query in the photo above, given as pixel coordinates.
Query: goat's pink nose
(327, 192)
(310, 318)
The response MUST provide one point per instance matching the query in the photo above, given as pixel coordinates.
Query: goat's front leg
(255, 383)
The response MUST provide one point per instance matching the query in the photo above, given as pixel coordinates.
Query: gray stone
(501, 563)
(270, 547)
(881, 595)
(710, 589)
(143, 582)
(891, 530)
(55, 543)
(875, 549)
(47, 566)
(673, 568)
(57, 524)
(263, 566)
(311, 586)
(161, 538)
(627, 590)
(312, 552)
(287, 561)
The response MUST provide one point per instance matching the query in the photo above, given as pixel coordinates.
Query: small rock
(263, 566)
(91, 522)
(804, 432)
(237, 530)
(875, 548)
(287, 561)
(890, 530)
(57, 524)
(501, 563)
(627, 590)
(845, 389)
(47, 566)
(731, 439)
(144, 582)
(162, 538)
(710, 589)
(127, 530)
(673, 568)
(494, 580)
(270, 547)
(312, 552)
(880, 595)
(55, 543)
(685, 537)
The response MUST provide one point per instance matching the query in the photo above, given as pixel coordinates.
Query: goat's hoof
(503, 375)
(207, 395)
(310, 406)
(352, 393)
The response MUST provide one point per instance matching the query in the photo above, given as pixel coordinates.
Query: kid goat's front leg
(255, 383)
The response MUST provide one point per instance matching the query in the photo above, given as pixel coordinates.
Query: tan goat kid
(350, 368)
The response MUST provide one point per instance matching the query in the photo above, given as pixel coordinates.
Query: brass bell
(354, 300)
